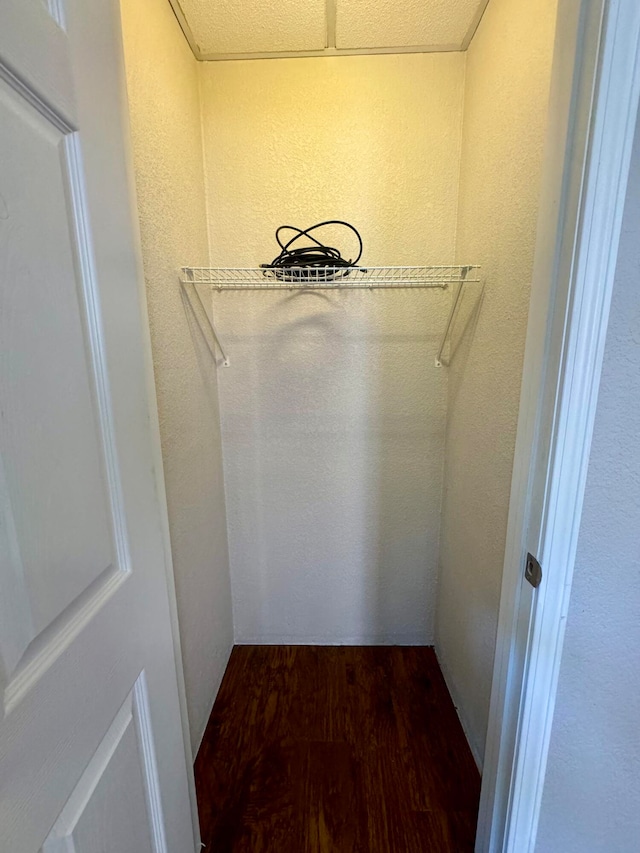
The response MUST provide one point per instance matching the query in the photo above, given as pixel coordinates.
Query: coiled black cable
(318, 262)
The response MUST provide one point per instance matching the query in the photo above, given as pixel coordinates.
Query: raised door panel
(57, 500)
(116, 804)
(35, 52)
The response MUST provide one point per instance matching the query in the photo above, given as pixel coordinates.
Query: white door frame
(594, 101)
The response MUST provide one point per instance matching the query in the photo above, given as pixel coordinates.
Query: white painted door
(92, 757)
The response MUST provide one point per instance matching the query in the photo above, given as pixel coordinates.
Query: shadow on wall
(333, 421)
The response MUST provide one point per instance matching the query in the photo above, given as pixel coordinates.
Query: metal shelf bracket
(452, 313)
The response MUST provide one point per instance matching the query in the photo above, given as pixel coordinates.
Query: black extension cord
(311, 263)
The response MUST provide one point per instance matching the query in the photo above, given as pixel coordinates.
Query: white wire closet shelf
(334, 278)
(327, 278)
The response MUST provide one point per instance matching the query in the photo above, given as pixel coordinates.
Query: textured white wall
(505, 110)
(591, 799)
(333, 415)
(165, 125)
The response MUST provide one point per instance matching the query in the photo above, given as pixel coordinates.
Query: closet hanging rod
(328, 278)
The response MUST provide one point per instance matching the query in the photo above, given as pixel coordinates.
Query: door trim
(593, 107)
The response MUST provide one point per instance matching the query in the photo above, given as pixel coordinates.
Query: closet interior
(338, 454)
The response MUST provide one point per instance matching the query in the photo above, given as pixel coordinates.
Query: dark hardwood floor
(336, 749)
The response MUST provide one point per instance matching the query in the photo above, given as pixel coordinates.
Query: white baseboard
(332, 640)
(475, 750)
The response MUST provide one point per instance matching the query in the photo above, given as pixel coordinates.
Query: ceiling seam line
(473, 27)
(331, 12)
(181, 18)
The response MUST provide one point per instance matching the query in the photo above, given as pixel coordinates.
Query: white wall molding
(328, 51)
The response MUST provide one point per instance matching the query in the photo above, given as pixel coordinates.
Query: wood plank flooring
(317, 749)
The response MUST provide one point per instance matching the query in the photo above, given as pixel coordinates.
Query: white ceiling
(389, 23)
(226, 28)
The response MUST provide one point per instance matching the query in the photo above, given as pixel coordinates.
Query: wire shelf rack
(328, 278)
(333, 278)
